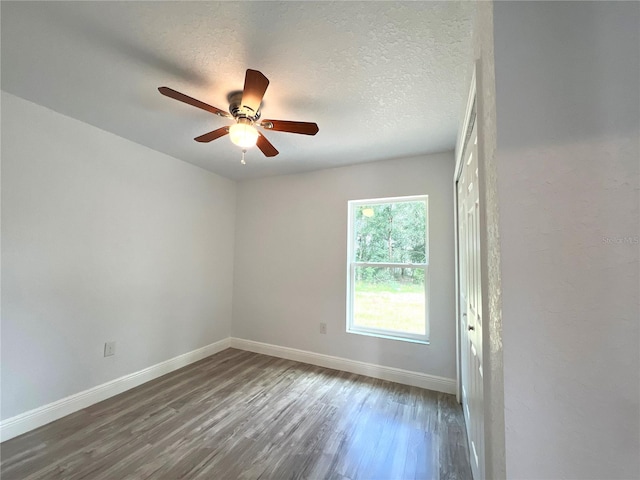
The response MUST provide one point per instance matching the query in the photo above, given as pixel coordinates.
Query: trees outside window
(388, 268)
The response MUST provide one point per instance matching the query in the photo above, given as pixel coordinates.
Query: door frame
(465, 131)
(464, 137)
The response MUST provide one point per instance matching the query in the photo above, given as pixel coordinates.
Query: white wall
(483, 50)
(290, 264)
(103, 239)
(568, 103)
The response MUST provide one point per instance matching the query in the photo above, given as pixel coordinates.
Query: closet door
(470, 303)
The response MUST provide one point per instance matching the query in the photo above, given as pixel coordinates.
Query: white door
(470, 303)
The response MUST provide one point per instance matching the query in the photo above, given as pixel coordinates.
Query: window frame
(352, 264)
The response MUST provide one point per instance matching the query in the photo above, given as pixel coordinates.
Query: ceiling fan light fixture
(243, 134)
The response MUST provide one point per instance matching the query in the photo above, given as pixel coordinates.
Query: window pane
(390, 299)
(390, 232)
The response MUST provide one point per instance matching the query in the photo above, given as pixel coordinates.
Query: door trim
(463, 145)
(465, 132)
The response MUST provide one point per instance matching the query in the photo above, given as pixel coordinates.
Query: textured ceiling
(381, 79)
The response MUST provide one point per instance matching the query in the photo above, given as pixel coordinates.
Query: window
(388, 268)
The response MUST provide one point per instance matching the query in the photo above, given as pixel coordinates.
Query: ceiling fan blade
(171, 93)
(255, 84)
(265, 146)
(305, 128)
(211, 136)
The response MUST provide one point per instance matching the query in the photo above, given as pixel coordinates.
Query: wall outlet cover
(109, 349)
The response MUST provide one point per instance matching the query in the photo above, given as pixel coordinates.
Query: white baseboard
(406, 377)
(24, 422)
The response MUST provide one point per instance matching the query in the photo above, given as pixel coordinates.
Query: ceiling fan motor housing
(240, 111)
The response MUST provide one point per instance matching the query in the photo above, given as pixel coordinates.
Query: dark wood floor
(242, 415)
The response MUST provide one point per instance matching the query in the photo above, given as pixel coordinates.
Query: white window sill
(387, 336)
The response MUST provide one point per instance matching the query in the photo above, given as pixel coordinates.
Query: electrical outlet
(323, 328)
(109, 349)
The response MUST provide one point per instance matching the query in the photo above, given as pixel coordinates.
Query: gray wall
(291, 251)
(103, 239)
(567, 83)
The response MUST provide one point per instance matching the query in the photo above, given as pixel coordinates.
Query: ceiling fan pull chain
(243, 152)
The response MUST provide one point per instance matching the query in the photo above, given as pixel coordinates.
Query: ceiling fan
(245, 110)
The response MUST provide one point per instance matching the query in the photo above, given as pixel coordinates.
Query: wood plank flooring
(241, 415)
